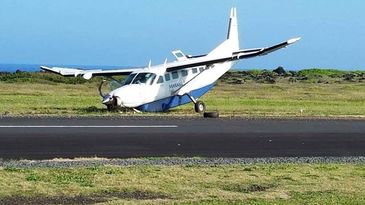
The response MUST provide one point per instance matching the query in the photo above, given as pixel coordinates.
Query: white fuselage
(167, 84)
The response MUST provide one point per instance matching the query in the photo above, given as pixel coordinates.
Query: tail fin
(232, 43)
(232, 34)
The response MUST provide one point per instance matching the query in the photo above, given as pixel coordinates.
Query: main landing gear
(199, 107)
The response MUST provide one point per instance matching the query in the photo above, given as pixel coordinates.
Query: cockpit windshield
(144, 78)
(129, 79)
(140, 78)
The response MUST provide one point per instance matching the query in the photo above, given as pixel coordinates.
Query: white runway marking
(88, 126)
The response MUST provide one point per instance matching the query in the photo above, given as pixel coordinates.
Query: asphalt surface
(48, 138)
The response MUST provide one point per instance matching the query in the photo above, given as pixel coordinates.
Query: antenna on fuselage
(150, 63)
(165, 63)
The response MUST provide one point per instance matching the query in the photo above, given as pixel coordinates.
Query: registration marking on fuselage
(88, 126)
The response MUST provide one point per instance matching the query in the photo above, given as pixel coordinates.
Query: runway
(125, 137)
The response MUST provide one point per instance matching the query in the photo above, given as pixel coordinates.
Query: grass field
(184, 184)
(251, 99)
(331, 183)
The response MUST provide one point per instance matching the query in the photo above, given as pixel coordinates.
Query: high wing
(242, 54)
(88, 74)
(188, 61)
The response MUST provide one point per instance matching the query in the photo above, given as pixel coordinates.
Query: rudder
(232, 43)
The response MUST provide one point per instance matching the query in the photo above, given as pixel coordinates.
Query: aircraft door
(146, 89)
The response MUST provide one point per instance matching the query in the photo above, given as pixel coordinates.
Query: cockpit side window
(160, 80)
(129, 79)
(152, 79)
(144, 78)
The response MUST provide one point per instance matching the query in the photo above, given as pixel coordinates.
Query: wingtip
(294, 40)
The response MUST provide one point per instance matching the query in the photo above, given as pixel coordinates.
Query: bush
(320, 72)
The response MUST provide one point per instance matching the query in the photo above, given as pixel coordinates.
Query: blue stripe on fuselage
(173, 101)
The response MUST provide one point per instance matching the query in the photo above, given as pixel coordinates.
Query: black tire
(211, 114)
(199, 107)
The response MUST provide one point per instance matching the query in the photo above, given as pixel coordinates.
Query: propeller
(107, 98)
(100, 91)
(110, 100)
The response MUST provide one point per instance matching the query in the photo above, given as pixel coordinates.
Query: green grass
(183, 184)
(250, 99)
(49, 94)
(284, 99)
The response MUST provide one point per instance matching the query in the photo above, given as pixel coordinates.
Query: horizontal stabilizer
(250, 53)
(242, 54)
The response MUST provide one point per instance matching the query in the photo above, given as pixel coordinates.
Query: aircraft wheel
(211, 114)
(199, 107)
(113, 106)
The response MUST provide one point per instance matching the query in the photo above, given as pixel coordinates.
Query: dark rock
(280, 71)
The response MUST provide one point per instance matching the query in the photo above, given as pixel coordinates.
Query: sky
(132, 32)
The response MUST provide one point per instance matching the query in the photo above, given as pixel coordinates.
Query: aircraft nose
(116, 97)
(108, 99)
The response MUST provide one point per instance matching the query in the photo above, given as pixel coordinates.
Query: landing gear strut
(199, 106)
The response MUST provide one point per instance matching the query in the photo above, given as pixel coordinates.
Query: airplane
(161, 87)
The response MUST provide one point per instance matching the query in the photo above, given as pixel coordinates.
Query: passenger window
(184, 73)
(175, 75)
(201, 69)
(167, 76)
(195, 70)
(160, 80)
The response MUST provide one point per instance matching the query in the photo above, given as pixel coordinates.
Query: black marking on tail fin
(229, 28)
